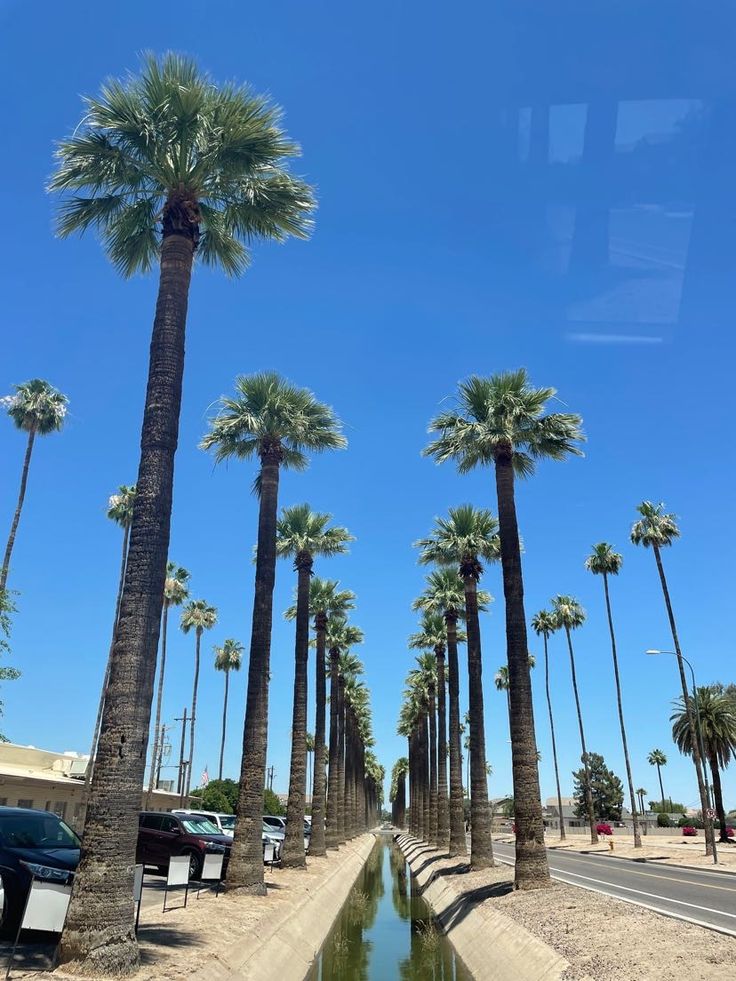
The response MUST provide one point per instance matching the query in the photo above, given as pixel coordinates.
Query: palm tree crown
(503, 415)
(655, 527)
(466, 536)
(445, 593)
(717, 721)
(301, 530)
(432, 634)
(325, 596)
(604, 561)
(170, 148)
(269, 413)
(229, 657)
(657, 758)
(198, 615)
(568, 613)
(544, 623)
(120, 505)
(341, 635)
(36, 406)
(176, 589)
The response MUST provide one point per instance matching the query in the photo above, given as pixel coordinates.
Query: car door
(169, 838)
(148, 851)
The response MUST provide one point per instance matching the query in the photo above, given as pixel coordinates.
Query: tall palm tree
(302, 534)
(568, 616)
(445, 594)
(349, 666)
(325, 600)
(641, 792)
(716, 714)
(656, 529)
(277, 423)
(500, 422)
(166, 166)
(228, 658)
(543, 624)
(604, 561)
(657, 758)
(119, 510)
(38, 409)
(462, 539)
(340, 636)
(199, 616)
(424, 679)
(176, 590)
(397, 794)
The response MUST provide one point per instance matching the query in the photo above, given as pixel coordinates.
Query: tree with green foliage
(6, 674)
(228, 658)
(340, 636)
(198, 616)
(165, 165)
(302, 534)
(38, 409)
(603, 561)
(544, 624)
(277, 423)
(606, 790)
(500, 422)
(657, 758)
(272, 805)
(218, 795)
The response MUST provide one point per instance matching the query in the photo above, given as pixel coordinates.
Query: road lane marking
(654, 875)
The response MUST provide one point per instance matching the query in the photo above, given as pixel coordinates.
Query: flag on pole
(205, 777)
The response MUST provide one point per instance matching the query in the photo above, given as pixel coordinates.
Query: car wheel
(195, 866)
(10, 910)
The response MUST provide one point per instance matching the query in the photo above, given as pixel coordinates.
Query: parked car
(276, 826)
(161, 835)
(31, 843)
(277, 823)
(226, 825)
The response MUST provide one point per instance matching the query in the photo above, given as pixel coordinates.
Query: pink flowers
(689, 832)
(604, 829)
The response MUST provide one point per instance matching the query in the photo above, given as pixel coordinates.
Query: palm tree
(397, 794)
(309, 743)
(464, 538)
(445, 594)
(657, 758)
(424, 679)
(656, 529)
(227, 658)
(569, 615)
(119, 510)
(501, 679)
(302, 534)
(199, 616)
(276, 422)
(604, 561)
(38, 409)
(325, 600)
(340, 636)
(348, 667)
(165, 165)
(176, 590)
(500, 421)
(641, 793)
(543, 624)
(716, 715)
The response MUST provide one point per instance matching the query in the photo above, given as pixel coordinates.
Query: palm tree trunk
(554, 741)
(340, 759)
(481, 845)
(443, 809)
(245, 870)
(317, 842)
(661, 786)
(627, 761)
(587, 789)
(18, 508)
(718, 797)
(531, 869)
(198, 638)
(433, 817)
(458, 844)
(331, 833)
(426, 804)
(159, 698)
(293, 855)
(224, 723)
(710, 840)
(106, 678)
(99, 931)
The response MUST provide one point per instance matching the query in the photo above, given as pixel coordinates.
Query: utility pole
(180, 784)
(159, 762)
(269, 771)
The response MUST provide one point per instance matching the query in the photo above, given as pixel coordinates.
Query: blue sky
(445, 244)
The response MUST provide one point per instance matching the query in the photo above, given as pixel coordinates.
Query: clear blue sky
(447, 242)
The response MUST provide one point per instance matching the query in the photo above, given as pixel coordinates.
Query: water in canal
(385, 930)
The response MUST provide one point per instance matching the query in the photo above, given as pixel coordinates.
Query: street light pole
(699, 731)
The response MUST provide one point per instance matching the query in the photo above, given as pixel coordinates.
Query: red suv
(161, 835)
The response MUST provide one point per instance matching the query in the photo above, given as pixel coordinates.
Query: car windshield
(199, 826)
(36, 831)
(227, 821)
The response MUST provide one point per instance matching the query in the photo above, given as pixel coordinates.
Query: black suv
(31, 843)
(161, 835)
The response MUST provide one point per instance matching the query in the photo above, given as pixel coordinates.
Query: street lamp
(697, 715)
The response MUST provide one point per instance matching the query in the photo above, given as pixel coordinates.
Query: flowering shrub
(730, 833)
(604, 829)
(689, 832)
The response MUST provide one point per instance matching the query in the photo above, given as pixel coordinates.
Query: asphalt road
(699, 896)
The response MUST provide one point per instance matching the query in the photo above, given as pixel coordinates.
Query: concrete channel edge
(490, 944)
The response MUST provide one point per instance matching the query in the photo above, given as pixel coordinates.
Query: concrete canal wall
(491, 945)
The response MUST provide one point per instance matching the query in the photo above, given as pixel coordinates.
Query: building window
(24, 802)
(59, 808)
(3, 801)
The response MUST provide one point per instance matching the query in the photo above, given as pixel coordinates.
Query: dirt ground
(603, 938)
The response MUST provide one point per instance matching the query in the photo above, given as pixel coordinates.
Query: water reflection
(386, 930)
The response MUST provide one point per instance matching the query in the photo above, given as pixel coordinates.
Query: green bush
(271, 804)
(663, 821)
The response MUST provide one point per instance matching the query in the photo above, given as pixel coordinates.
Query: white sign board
(137, 883)
(46, 907)
(178, 871)
(269, 851)
(212, 868)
